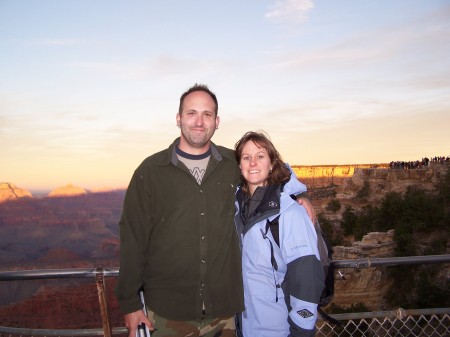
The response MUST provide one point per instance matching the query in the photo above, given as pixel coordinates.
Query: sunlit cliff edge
(323, 175)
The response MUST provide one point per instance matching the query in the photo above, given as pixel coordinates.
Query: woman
(282, 282)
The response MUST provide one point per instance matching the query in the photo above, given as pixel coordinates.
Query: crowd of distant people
(419, 163)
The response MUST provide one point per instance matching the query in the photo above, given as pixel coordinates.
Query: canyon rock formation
(365, 285)
(68, 190)
(345, 183)
(10, 191)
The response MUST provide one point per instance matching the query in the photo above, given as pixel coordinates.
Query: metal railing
(417, 322)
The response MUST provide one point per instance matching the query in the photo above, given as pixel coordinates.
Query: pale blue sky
(89, 88)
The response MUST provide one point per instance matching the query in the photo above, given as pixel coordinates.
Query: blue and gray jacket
(280, 296)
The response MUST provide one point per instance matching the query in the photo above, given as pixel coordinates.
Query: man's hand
(309, 208)
(133, 319)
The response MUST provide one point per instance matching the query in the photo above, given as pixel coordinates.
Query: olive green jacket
(178, 238)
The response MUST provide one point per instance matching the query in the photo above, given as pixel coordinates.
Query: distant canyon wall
(325, 175)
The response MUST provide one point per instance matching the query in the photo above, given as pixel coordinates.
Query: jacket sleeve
(304, 281)
(134, 232)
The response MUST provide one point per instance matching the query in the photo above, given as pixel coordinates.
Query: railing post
(100, 282)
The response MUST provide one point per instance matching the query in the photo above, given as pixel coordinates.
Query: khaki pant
(208, 327)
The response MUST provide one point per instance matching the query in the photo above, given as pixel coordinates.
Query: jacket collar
(264, 203)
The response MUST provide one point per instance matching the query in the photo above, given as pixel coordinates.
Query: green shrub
(334, 205)
(348, 222)
(364, 192)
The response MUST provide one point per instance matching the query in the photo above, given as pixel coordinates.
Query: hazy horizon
(43, 191)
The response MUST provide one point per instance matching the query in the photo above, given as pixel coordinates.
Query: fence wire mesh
(431, 325)
(424, 325)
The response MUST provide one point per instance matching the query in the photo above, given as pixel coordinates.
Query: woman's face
(255, 165)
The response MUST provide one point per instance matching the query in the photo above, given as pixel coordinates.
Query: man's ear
(217, 122)
(178, 117)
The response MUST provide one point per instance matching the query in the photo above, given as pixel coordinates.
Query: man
(178, 239)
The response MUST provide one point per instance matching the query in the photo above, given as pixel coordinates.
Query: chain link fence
(399, 323)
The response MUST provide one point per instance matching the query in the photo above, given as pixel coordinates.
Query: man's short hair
(198, 87)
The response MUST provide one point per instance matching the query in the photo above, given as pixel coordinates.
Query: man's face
(198, 122)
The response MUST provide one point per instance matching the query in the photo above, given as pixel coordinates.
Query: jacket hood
(293, 186)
